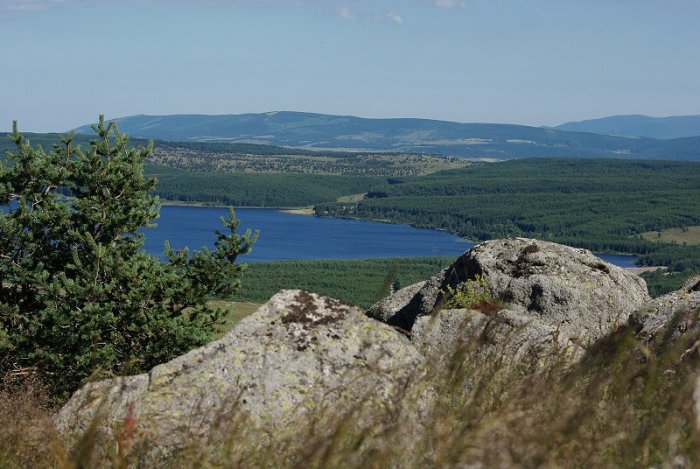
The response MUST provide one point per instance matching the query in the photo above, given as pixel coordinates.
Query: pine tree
(78, 296)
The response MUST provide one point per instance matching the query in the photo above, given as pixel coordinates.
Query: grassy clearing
(689, 235)
(351, 198)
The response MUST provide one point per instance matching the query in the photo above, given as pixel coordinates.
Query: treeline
(358, 282)
(602, 205)
(660, 282)
(258, 190)
(677, 257)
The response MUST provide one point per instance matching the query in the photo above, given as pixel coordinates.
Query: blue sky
(534, 62)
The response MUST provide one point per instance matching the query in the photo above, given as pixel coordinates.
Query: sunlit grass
(689, 235)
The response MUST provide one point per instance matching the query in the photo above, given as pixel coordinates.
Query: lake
(288, 236)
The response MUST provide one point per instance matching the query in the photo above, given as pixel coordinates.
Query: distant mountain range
(639, 126)
(328, 132)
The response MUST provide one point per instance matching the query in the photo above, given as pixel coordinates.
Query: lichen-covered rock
(297, 354)
(668, 317)
(388, 307)
(696, 398)
(506, 342)
(568, 289)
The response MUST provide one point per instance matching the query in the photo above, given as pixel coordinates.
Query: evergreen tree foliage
(78, 298)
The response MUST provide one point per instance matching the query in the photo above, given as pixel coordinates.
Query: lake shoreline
(181, 203)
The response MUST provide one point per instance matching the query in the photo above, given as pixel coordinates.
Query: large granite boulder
(299, 354)
(506, 343)
(571, 290)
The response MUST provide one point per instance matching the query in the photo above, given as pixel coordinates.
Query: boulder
(387, 308)
(669, 317)
(568, 289)
(505, 342)
(299, 354)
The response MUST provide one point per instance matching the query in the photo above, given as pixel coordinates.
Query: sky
(532, 62)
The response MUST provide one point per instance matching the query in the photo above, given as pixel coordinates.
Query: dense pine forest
(358, 282)
(258, 190)
(601, 205)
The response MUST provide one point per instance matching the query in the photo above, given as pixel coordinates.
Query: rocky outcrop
(565, 288)
(297, 354)
(302, 356)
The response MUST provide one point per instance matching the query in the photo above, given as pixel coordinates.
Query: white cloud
(394, 17)
(448, 4)
(346, 13)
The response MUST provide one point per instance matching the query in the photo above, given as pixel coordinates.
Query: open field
(352, 198)
(689, 235)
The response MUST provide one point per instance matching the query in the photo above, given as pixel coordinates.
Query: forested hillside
(600, 205)
(258, 190)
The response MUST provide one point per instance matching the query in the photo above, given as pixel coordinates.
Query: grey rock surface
(501, 343)
(569, 289)
(388, 307)
(668, 317)
(299, 353)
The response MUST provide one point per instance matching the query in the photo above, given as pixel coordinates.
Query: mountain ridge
(348, 133)
(638, 125)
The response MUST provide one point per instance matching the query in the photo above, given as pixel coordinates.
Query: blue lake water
(620, 261)
(287, 236)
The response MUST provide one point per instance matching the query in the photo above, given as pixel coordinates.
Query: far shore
(293, 210)
(299, 211)
(641, 270)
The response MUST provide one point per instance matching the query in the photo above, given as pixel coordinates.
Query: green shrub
(77, 295)
(473, 294)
